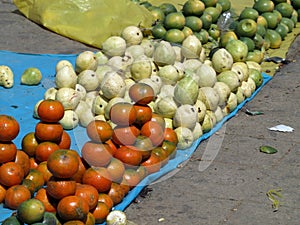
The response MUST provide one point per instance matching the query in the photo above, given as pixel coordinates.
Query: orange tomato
(141, 93)
(99, 131)
(9, 128)
(59, 188)
(143, 114)
(29, 184)
(132, 177)
(50, 111)
(11, 174)
(170, 135)
(122, 113)
(65, 141)
(42, 167)
(100, 212)
(33, 163)
(116, 169)
(72, 208)
(44, 149)
(154, 131)
(2, 193)
(63, 163)
(116, 193)
(152, 164)
(49, 202)
(48, 131)
(81, 169)
(96, 154)
(103, 197)
(8, 151)
(37, 177)
(29, 143)
(15, 195)
(23, 160)
(98, 177)
(125, 135)
(87, 192)
(129, 155)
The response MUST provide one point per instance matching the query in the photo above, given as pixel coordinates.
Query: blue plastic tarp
(19, 102)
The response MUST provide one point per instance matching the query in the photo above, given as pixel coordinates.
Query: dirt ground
(232, 189)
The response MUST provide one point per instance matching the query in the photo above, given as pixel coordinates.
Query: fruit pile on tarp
(20, 104)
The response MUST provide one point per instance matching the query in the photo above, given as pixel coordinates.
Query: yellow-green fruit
(256, 77)
(246, 28)
(214, 12)
(158, 31)
(157, 13)
(31, 76)
(175, 20)
(287, 21)
(226, 4)
(206, 20)
(193, 8)
(249, 13)
(249, 42)
(285, 9)
(271, 18)
(226, 37)
(274, 37)
(167, 8)
(209, 3)
(282, 29)
(174, 36)
(264, 6)
(193, 22)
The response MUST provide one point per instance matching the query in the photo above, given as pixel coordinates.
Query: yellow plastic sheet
(87, 21)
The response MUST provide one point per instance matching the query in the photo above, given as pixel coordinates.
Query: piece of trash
(282, 128)
(161, 219)
(271, 195)
(253, 113)
(267, 149)
(277, 59)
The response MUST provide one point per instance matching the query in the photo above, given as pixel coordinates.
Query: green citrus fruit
(214, 32)
(193, 22)
(246, 28)
(158, 31)
(285, 9)
(31, 211)
(282, 29)
(206, 20)
(271, 18)
(193, 8)
(256, 76)
(175, 20)
(288, 22)
(210, 3)
(214, 12)
(167, 8)
(187, 31)
(264, 6)
(278, 14)
(226, 4)
(295, 16)
(202, 35)
(262, 20)
(226, 37)
(249, 13)
(255, 56)
(274, 37)
(157, 13)
(174, 36)
(249, 42)
(261, 30)
(258, 41)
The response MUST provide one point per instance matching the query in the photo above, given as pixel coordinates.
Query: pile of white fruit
(193, 92)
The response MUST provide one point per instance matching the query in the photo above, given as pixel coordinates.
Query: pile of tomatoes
(82, 187)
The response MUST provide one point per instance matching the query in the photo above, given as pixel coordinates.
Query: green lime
(187, 31)
(193, 8)
(258, 41)
(158, 31)
(226, 37)
(264, 6)
(175, 20)
(285, 9)
(31, 211)
(202, 35)
(249, 13)
(249, 42)
(262, 20)
(210, 3)
(261, 30)
(214, 32)
(226, 4)
(282, 29)
(271, 18)
(296, 4)
(246, 28)
(214, 12)
(167, 8)
(288, 22)
(274, 37)
(157, 13)
(206, 20)
(193, 22)
(174, 36)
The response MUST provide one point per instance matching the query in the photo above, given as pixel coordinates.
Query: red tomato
(9, 128)
(143, 114)
(99, 131)
(129, 155)
(170, 135)
(122, 113)
(154, 131)
(141, 93)
(152, 164)
(49, 131)
(50, 111)
(125, 135)
(8, 151)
